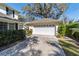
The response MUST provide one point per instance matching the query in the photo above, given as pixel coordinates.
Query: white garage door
(44, 30)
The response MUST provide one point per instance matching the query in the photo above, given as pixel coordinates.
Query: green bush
(62, 30)
(69, 32)
(11, 36)
(69, 26)
(76, 36)
(29, 32)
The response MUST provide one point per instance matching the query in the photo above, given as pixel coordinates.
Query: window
(9, 11)
(11, 26)
(3, 26)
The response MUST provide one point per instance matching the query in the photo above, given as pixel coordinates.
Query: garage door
(44, 30)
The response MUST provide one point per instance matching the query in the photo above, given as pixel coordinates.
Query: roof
(43, 22)
(3, 5)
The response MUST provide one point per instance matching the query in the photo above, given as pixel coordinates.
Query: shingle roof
(45, 21)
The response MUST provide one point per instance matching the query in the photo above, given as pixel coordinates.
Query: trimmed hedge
(11, 36)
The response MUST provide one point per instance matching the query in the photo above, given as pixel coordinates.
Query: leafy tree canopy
(45, 10)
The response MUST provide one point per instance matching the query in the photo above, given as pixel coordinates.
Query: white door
(44, 30)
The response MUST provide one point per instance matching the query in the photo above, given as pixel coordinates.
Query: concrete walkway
(37, 46)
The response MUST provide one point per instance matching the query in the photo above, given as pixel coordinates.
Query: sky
(17, 6)
(72, 11)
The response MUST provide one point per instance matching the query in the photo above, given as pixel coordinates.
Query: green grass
(70, 48)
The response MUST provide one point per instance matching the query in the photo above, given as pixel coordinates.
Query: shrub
(76, 36)
(29, 32)
(62, 30)
(11, 36)
(69, 26)
(69, 32)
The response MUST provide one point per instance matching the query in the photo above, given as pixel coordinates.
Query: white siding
(11, 16)
(43, 30)
(20, 26)
(16, 16)
(2, 11)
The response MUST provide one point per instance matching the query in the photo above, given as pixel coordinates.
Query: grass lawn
(70, 48)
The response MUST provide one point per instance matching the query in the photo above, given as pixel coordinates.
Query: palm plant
(75, 31)
(45, 10)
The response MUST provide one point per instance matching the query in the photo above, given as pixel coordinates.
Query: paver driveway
(37, 46)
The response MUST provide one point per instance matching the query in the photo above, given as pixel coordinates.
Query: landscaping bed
(70, 47)
(11, 36)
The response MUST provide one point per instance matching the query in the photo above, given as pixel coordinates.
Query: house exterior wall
(3, 26)
(11, 15)
(12, 26)
(44, 30)
(20, 26)
(8, 26)
(2, 11)
(15, 16)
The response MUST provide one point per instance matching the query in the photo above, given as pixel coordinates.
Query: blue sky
(17, 6)
(72, 12)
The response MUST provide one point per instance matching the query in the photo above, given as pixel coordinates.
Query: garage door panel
(44, 30)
